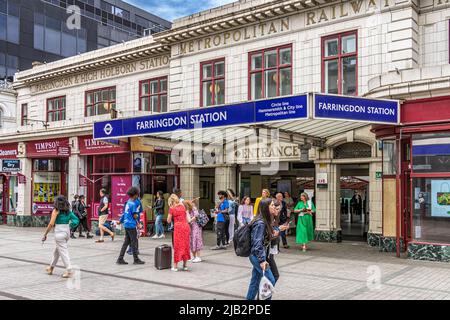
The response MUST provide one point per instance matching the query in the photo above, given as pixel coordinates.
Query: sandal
(99, 241)
(67, 275)
(49, 270)
(112, 236)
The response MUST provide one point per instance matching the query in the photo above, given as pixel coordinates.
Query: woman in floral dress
(181, 232)
(196, 231)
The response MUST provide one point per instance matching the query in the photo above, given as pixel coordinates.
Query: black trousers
(83, 225)
(283, 237)
(273, 267)
(130, 240)
(227, 230)
(220, 229)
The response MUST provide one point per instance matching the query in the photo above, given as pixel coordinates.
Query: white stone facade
(403, 52)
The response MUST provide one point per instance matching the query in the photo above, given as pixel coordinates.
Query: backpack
(242, 240)
(202, 218)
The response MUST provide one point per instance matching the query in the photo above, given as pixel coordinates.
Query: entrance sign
(334, 107)
(249, 113)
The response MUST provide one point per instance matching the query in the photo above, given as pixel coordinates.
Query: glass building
(48, 30)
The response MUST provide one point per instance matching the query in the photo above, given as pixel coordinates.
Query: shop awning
(316, 116)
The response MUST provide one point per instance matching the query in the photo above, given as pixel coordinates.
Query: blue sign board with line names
(287, 108)
(248, 113)
(356, 109)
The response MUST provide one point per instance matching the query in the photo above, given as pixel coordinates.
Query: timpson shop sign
(102, 74)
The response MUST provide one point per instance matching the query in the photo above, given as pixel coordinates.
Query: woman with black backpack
(262, 233)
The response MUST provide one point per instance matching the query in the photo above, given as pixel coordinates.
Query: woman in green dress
(305, 229)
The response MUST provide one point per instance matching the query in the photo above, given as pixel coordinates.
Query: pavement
(348, 270)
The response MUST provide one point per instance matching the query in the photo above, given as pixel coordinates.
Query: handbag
(202, 218)
(266, 288)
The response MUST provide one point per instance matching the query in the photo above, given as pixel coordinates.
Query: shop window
(270, 73)
(431, 218)
(112, 163)
(100, 101)
(56, 109)
(24, 114)
(431, 153)
(340, 63)
(389, 158)
(212, 77)
(353, 150)
(153, 95)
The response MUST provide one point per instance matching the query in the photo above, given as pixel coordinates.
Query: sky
(173, 9)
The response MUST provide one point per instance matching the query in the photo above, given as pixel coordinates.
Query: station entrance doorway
(354, 201)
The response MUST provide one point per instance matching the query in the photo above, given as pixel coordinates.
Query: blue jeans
(257, 274)
(159, 229)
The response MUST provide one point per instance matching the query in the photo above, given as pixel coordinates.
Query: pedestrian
(181, 232)
(74, 201)
(196, 231)
(275, 211)
(103, 212)
(264, 195)
(61, 219)
(139, 225)
(82, 214)
(179, 194)
(158, 210)
(283, 218)
(261, 236)
(130, 220)
(221, 213)
(305, 229)
(74, 208)
(245, 211)
(232, 213)
(290, 204)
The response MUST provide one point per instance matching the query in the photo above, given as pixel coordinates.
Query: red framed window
(24, 114)
(153, 95)
(340, 63)
(212, 78)
(100, 101)
(270, 72)
(56, 109)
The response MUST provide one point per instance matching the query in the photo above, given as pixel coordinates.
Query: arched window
(352, 150)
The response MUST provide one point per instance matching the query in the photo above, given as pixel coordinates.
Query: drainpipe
(399, 193)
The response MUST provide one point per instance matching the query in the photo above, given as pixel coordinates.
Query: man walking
(103, 213)
(82, 214)
(221, 211)
(284, 218)
(130, 220)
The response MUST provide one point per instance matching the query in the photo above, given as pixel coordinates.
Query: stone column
(328, 226)
(190, 182)
(74, 169)
(24, 210)
(225, 179)
(375, 204)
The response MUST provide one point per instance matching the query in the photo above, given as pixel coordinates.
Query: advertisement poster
(46, 186)
(440, 198)
(119, 188)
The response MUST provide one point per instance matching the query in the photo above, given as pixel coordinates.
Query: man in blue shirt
(139, 210)
(221, 211)
(130, 220)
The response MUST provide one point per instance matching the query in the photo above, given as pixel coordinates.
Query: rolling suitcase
(163, 257)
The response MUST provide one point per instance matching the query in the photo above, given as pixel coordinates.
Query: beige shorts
(102, 219)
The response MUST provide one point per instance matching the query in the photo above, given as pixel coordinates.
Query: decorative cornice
(236, 19)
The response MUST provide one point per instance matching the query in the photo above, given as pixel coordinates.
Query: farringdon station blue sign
(330, 107)
(264, 111)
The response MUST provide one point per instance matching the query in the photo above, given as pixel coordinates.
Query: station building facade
(244, 51)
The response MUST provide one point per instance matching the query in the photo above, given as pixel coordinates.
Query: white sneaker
(162, 236)
(155, 237)
(174, 269)
(198, 259)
